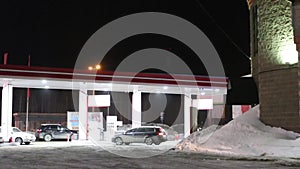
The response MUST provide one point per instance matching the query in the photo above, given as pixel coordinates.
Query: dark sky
(53, 32)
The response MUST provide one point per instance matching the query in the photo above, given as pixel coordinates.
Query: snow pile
(244, 136)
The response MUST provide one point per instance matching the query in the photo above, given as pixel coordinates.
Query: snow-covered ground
(245, 136)
(85, 154)
(105, 154)
(243, 143)
(134, 150)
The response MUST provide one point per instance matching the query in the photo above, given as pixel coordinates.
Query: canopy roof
(62, 78)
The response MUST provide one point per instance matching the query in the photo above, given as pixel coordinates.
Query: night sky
(53, 33)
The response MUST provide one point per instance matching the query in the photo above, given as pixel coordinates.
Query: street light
(96, 67)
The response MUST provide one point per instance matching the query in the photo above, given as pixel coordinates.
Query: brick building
(275, 40)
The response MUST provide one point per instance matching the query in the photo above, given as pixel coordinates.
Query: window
(59, 128)
(16, 130)
(140, 130)
(130, 131)
(63, 129)
(149, 130)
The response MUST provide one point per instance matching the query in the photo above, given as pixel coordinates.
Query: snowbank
(244, 136)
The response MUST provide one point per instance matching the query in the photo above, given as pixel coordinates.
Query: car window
(51, 127)
(44, 128)
(56, 128)
(16, 130)
(141, 130)
(63, 129)
(48, 128)
(149, 129)
(130, 131)
(59, 128)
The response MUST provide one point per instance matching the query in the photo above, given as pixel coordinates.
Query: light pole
(94, 68)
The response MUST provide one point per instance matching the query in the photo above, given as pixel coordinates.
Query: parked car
(1, 139)
(144, 134)
(50, 132)
(20, 137)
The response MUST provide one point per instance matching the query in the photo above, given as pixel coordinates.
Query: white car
(1, 137)
(21, 137)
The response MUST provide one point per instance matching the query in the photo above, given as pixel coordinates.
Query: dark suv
(50, 132)
(144, 134)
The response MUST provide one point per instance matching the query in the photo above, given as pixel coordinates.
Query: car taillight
(160, 133)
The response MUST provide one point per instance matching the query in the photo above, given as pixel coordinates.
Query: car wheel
(148, 141)
(19, 140)
(27, 143)
(47, 137)
(119, 141)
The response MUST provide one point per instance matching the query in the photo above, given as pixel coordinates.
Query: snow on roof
(244, 136)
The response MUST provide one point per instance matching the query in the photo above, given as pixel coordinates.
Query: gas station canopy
(62, 78)
(12, 76)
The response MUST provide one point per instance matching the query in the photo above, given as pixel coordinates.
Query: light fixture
(98, 67)
(289, 54)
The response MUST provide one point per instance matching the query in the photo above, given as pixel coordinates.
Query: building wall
(272, 46)
(36, 119)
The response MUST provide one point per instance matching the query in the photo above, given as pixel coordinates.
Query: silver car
(144, 134)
